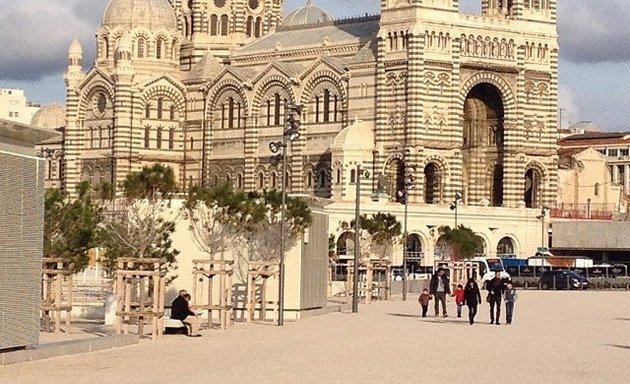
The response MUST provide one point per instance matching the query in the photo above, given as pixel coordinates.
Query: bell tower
(219, 26)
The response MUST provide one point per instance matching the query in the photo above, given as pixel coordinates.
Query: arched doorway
(533, 188)
(432, 184)
(414, 253)
(344, 249)
(483, 144)
(482, 247)
(506, 248)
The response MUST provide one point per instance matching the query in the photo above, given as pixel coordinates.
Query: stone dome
(151, 14)
(50, 116)
(75, 48)
(308, 14)
(358, 136)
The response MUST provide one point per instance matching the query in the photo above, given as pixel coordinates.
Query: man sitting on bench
(180, 310)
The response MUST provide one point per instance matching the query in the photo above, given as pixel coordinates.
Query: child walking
(423, 299)
(509, 295)
(459, 298)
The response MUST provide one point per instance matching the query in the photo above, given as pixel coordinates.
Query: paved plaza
(557, 337)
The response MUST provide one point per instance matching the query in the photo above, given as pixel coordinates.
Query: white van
(488, 266)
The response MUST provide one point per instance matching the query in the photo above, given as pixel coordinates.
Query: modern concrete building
(201, 85)
(21, 233)
(14, 107)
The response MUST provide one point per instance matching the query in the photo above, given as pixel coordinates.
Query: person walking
(509, 295)
(439, 287)
(423, 299)
(472, 299)
(459, 298)
(495, 289)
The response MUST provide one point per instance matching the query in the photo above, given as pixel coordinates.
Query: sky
(594, 50)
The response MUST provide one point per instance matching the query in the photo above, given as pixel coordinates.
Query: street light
(289, 134)
(541, 217)
(357, 236)
(454, 204)
(403, 195)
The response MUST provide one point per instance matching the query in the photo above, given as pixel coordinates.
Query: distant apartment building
(615, 146)
(14, 107)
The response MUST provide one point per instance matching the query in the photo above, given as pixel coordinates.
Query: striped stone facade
(469, 100)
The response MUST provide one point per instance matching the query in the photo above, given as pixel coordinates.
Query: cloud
(36, 35)
(593, 31)
(568, 106)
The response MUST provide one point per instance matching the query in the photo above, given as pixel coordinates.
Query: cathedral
(464, 103)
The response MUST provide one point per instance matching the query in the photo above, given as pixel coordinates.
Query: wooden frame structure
(140, 285)
(204, 286)
(56, 293)
(261, 271)
(367, 289)
(459, 271)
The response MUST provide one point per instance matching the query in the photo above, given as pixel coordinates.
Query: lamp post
(543, 213)
(290, 133)
(454, 204)
(357, 237)
(409, 184)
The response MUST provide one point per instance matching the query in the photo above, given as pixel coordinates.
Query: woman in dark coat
(472, 298)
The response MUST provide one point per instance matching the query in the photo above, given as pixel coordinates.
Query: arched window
(141, 47)
(192, 143)
(261, 180)
(317, 109)
(505, 247)
(172, 112)
(214, 25)
(276, 109)
(345, 244)
(105, 47)
(273, 180)
(147, 136)
(322, 178)
(225, 25)
(258, 31)
(230, 112)
(326, 106)
(147, 110)
(249, 26)
(160, 108)
(158, 139)
(239, 181)
(171, 138)
(353, 176)
(308, 179)
(596, 189)
(338, 179)
(159, 46)
(431, 184)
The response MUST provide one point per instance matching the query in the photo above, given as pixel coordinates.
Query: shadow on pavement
(622, 319)
(435, 320)
(619, 346)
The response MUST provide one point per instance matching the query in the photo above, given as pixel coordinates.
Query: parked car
(562, 279)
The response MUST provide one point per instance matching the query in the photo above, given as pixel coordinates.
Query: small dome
(75, 48)
(308, 14)
(358, 136)
(151, 14)
(50, 116)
